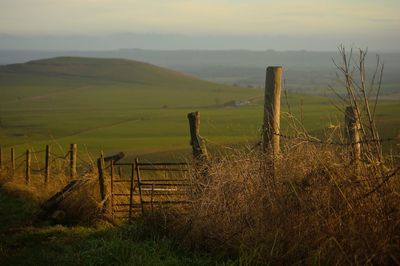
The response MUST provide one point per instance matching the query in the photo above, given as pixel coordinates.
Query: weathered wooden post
(198, 146)
(102, 182)
(352, 132)
(272, 110)
(47, 164)
(139, 181)
(28, 167)
(112, 187)
(12, 157)
(72, 159)
(132, 184)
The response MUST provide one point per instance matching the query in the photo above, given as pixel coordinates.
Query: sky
(302, 23)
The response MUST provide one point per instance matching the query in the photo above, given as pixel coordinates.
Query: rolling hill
(61, 74)
(305, 71)
(112, 70)
(103, 103)
(139, 108)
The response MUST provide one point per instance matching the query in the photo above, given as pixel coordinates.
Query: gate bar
(139, 182)
(112, 187)
(131, 191)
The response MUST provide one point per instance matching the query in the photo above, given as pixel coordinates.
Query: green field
(140, 109)
(121, 105)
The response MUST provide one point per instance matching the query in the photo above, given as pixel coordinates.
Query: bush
(314, 210)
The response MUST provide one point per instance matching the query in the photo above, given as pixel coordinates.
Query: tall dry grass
(316, 204)
(317, 209)
(81, 205)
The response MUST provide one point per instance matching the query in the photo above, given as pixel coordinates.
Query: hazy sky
(375, 21)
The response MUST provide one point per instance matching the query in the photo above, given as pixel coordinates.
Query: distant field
(120, 105)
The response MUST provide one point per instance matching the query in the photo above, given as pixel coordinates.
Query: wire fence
(31, 163)
(306, 139)
(48, 164)
(315, 140)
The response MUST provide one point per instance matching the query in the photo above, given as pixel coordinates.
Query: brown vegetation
(318, 202)
(79, 206)
(315, 203)
(316, 209)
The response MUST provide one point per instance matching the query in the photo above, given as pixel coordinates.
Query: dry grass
(314, 205)
(80, 206)
(83, 205)
(316, 210)
(36, 190)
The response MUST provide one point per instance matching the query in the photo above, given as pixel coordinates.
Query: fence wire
(20, 162)
(58, 156)
(19, 157)
(308, 139)
(38, 170)
(19, 165)
(333, 143)
(37, 152)
(384, 179)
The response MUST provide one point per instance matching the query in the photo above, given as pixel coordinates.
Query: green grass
(24, 240)
(15, 211)
(121, 105)
(21, 244)
(87, 246)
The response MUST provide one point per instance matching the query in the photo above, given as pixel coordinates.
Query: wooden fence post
(198, 146)
(47, 164)
(28, 167)
(72, 159)
(131, 191)
(102, 182)
(272, 110)
(139, 181)
(352, 127)
(112, 187)
(12, 156)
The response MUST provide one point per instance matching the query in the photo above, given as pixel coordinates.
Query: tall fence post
(12, 160)
(272, 110)
(198, 146)
(139, 181)
(47, 164)
(102, 182)
(72, 159)
(28, 167)
(132, 181)
(352, 127)
(112, 187)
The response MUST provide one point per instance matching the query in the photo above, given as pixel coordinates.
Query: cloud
(300, 17)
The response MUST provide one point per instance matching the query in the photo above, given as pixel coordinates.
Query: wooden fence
(29, 163)
(140, 191)
(136, 192)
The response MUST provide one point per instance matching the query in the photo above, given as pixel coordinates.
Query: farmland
(122, 105)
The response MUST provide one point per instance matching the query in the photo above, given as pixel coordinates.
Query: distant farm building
(236, 103)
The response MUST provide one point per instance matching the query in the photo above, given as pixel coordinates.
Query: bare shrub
(316, 206)
(79, 206)
(314, 209)
(83, 205)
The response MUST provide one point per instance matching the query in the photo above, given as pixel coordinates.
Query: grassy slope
(119, 105)
(35, 104)
(21, 244)
(112, 112)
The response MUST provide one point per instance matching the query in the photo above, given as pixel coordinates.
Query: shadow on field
(22, 243)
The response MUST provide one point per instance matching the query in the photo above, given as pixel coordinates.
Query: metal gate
(147, 187)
